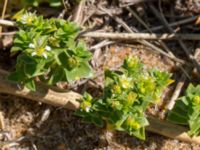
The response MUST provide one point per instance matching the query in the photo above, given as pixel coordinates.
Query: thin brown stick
(177, 92)
(8, 33)
(125, 3)
(128, 37)
(142, 36)
(144, 42)
(138, 19)
(160, 41)
(3, 13)
(4, 9)
(102, 44)
(146, 26)
(63, 1)
(183, 46)
(78, 15)
(69, 100)
(177, 23)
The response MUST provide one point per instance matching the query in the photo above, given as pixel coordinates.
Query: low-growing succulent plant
(187, 110)
(127, 94)
(48, 51)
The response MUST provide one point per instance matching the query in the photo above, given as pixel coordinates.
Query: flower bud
(131, 98)
(72, 62)
(130, 122)
(196, 100)
(116, 89)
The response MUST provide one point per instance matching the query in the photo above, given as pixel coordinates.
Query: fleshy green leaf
(30, 84)
(187, 110)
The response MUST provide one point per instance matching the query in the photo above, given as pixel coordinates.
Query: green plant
(48, 51)
(187, 110)
(127, 94)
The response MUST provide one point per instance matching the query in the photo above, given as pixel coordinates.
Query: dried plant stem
(160, 41)
(177, 23)
(144, 42)
(149, 30)
(78, 15)
(8, 33)
(142, 36)
(102, 44)
(6, 22)
(183, 46)
(177, 92)
(125, 3)
(3, 13)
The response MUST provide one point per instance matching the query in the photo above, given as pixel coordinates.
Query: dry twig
(78, 17)
(183, 46)
(177, 92)
(3, 13)
(177, 23)
(6, 23)
(160, 41)
(125, 3)
(144, 42)
(142, 36)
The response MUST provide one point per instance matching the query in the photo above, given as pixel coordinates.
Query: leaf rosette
(48, 51)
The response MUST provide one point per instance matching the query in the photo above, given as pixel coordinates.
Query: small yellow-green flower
(142, 90)
(27, 18)
(53, 41)
(72, 62)
(196, 99)
(125, 82)
(130, 122)
(149, 84)
(131, 98)
(39, 50)
(156, 98)
(132, 61)
(86, 106)
(116, 104)
(116, 89)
